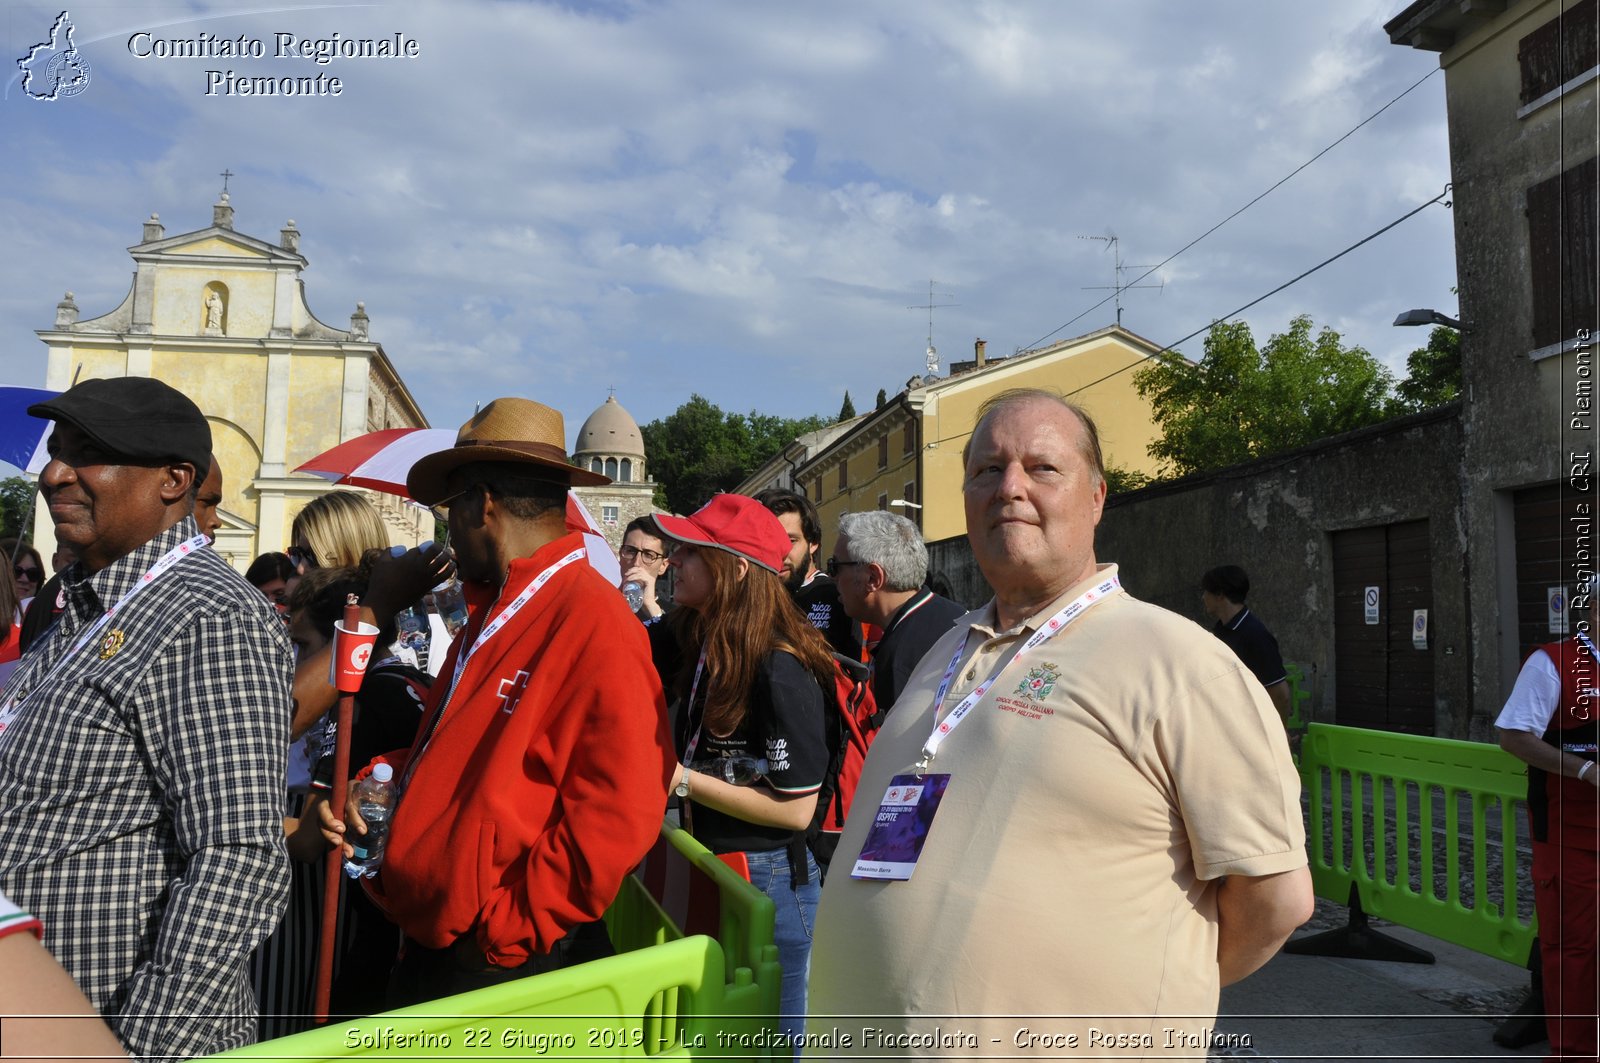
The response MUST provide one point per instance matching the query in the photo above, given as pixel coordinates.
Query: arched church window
(595, 466)
(611, 468)
(626, 471)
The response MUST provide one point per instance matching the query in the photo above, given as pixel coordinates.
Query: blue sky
(743, 199)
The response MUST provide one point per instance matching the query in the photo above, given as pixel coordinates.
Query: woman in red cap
(749, 714)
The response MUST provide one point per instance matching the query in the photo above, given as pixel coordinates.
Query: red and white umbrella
(379, 461)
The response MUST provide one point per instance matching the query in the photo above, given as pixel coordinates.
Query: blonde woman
(335, 530)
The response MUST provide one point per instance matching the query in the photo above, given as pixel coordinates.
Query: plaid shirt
(141, 791)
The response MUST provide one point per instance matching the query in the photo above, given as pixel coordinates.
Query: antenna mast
(930, 306)
(1117, 287)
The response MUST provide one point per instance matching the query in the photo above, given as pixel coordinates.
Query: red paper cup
(351, 652)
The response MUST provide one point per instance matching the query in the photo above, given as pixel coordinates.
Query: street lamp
(903, 502)
(1427, 317)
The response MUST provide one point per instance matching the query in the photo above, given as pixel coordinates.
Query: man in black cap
(143, 738)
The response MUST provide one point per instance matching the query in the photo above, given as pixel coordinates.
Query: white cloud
(745, 199)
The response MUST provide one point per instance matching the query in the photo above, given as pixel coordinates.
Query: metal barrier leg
(1358, 941)
(1525, 1026)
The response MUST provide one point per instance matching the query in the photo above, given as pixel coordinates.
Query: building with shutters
(1409, 567)
(1521, 97)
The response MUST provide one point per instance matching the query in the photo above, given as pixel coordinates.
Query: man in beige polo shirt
(1119, 832)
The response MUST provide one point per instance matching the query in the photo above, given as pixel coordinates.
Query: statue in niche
(213, 314)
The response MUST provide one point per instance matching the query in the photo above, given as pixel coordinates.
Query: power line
(1325, 262)
(1246, 207)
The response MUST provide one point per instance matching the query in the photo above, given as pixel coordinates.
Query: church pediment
(215, 242)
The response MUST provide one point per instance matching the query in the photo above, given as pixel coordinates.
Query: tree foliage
(698, 450)
(1433, 373)
(1242, 401)
(883, 397)
(1120, 478)
(16, 499)
(847, 410)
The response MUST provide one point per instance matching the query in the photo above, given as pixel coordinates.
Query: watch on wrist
(682, 789)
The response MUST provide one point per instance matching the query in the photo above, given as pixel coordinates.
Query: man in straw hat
(540, 772)
(142, 739)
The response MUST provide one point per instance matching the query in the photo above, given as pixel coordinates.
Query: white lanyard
(1048, 630)
(487, 632)
(10, 708)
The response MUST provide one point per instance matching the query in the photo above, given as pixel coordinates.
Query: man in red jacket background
(539, 776)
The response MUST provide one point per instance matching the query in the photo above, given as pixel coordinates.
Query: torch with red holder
(353, 641)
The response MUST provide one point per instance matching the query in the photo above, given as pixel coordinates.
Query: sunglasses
(30, 574)
(650, 556)
(441, 508)
(302, 557)
(834, 565)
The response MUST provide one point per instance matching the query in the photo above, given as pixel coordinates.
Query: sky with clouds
(743, 199)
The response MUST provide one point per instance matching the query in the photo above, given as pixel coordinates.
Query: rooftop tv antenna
(930, 306)
(1118, 268)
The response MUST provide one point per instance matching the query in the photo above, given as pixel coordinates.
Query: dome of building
(610, 430)
(610, 443)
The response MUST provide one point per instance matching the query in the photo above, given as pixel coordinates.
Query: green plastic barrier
(1297, 721)
(1411, 779)
(666, 995)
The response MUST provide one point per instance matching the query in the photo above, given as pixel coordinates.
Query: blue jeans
(796, 916)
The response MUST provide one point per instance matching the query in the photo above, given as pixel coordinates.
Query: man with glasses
(539, 775)
(879, 563)
(644, 560)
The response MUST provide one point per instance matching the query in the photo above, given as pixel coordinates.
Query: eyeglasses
(834, 565)
(650, 556)
(30, 574)
(302, 557)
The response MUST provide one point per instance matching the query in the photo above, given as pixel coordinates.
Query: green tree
(1241, 402)
(848, 409)
(1433, 373)
(1120, 478)
(698, 449)
(883, 397)
(16, 501)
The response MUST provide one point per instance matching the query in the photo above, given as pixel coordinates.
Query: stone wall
(1276, 518)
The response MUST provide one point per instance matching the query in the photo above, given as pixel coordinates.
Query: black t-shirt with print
(819, 601)
(784, 726)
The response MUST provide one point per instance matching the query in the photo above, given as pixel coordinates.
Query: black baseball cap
(136, 418)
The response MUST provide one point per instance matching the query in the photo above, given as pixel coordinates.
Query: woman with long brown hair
(750, 714)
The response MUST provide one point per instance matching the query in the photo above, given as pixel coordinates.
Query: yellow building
(223, 318)
(907, 454)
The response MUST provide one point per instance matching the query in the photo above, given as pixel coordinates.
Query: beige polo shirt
(1067, 887)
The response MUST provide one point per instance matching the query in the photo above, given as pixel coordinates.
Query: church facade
(223, 317)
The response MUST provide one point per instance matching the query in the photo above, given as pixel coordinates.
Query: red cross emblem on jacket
(510, 691)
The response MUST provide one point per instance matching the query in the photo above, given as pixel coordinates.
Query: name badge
(894, 842)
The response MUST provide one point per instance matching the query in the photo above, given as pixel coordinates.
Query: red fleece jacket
(546, 778)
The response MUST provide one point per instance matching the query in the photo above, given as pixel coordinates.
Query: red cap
(735, 523)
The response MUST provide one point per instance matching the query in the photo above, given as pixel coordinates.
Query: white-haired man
(879, 562)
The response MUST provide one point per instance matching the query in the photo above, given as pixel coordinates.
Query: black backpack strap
(799, 867)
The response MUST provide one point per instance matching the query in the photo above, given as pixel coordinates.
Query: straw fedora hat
(519, 431)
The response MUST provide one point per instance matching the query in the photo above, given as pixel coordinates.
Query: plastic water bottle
(735, 771)
(633, 592)
(375, 798)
